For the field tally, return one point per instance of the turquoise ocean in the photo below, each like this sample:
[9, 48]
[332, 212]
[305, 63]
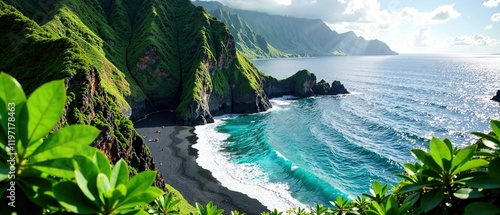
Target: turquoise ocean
[308, 151]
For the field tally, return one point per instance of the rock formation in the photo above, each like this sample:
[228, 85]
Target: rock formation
[496, 97]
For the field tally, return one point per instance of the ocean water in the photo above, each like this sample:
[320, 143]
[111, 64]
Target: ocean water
[308, 151]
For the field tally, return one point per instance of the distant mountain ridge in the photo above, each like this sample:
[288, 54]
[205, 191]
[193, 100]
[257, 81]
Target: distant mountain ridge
[290, 36]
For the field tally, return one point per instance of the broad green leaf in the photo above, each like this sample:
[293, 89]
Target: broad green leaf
[494, 168]
[495, 126]
[472, 164]
[86, 177]
[135, 212]
[38, 190]
[103, 186]
[140, 182]
[117, 195]
[140, 198]
[4, 171]
[467, 193]
[412, 198]
[45, 107]
[119, 174]
[482, 181]
[439, 151]
[60, 167]
[61, 152]
[70, 136]
[103, 164]
[11, 96]
[410, 168]
[426, 158]
[488, 140]
[407, 178]
[462, 156]
[431, 199]
[481, 208]
[71, 197]
[429, 173]
[415, 187]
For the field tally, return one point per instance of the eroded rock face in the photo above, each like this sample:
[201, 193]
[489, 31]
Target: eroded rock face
[96, 105]
[301, 84]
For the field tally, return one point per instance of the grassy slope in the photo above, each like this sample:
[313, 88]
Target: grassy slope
[251, 44]
[37, 52]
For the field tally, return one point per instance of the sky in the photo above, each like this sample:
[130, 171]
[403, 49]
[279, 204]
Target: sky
[407, 26]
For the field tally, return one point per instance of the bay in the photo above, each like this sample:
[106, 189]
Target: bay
[308, 151]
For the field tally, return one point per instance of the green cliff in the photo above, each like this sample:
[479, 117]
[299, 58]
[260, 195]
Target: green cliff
[121, 59]
[296, 36]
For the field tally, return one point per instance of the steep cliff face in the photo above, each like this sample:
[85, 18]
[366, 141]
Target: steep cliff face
[293, 36]
[124, 58]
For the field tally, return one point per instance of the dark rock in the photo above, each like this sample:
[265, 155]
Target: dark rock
[337, 88]
[496, 97]
[300, 84]
[321, 88]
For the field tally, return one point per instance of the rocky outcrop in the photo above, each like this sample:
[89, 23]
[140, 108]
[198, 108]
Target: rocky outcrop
[324, 88]
[300, 85]
[496, 97]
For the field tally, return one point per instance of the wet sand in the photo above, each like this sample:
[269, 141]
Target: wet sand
[176, 160]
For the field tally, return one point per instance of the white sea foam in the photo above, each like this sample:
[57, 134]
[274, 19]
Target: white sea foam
[245, 178]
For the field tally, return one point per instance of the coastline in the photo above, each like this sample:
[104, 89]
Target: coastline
[175, 158]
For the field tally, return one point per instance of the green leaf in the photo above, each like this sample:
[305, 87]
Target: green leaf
[494, 168]
[103, 186]
[4, 171]
[462, 156]
[10, 92]
[70, 136]
[38, 190]
[60, 167]
[45, 107]
[481, 208]
[415, 187]
[140, 198]
[431, 199]
[426, 158]
[135, 212]
[118, 194]
[86, 177]
[495, 126]
[439, 151]
[412, 198]
[103, 164]
[482, 181]
[119, 174]
[472, 164]
[69, 195]
[467, 193]
[488, 140]
[140, 182]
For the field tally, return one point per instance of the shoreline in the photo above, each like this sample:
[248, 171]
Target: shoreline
[175, 158]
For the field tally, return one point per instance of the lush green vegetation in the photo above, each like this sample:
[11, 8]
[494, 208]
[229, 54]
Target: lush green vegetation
[57, 172]
[247, 41]
[290, 35]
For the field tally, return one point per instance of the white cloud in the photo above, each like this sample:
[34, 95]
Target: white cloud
[491, 3]
[488, 27]
[439, 15]
[495, 17]
[476, 40]
[423, 38]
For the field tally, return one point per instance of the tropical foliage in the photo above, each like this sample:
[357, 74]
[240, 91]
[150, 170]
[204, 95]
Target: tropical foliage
[52, 170]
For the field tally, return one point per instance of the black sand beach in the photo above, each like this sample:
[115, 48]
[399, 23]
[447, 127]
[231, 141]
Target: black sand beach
[176, 160]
